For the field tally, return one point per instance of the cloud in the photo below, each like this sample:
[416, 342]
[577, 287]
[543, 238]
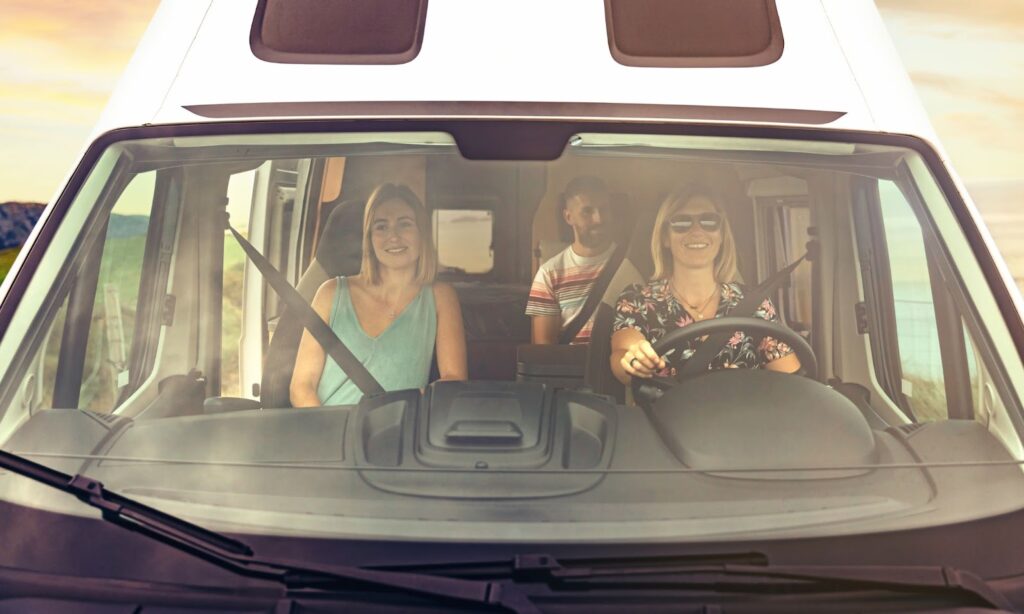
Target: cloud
[68, 53]
[977, 90]
[1005, 15]
[61, 59]
[102, 29]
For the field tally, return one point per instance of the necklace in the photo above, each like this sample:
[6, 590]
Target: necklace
[391, 309]
[697, 312]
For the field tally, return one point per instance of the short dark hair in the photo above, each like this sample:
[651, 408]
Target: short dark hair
[581, 185]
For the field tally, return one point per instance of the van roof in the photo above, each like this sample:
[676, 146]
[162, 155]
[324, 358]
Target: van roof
[838, 70]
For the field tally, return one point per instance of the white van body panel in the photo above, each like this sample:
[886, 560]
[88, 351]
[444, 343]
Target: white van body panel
[837, 58]
[482, 51]
[150, 73]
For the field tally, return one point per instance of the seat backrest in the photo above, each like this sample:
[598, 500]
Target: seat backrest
[338, 253]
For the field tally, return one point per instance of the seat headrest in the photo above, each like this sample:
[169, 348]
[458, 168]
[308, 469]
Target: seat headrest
[639, 252]
[340, 249]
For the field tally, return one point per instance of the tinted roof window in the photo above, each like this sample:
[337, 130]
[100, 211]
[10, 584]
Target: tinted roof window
[693, 32]
[338, 31]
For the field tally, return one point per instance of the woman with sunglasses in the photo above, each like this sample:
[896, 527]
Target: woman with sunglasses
[695, 278]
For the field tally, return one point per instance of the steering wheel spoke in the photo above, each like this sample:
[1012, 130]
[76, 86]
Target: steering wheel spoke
[661, 383]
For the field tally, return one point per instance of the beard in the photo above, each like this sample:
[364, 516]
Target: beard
[593, 237]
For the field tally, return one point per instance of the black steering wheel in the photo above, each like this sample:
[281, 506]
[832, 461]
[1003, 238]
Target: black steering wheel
[649, 389]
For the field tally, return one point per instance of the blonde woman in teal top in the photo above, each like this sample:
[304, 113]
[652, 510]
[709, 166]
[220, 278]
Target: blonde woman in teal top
[393, 316]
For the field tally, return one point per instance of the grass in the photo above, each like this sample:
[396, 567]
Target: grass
[7, 257]
[928, 400]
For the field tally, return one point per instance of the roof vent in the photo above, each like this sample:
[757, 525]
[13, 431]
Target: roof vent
[694, 33]
[338, 31]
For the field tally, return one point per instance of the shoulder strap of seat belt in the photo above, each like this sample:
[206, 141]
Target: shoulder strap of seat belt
[710, 347]
[597, 291]
[311, 320]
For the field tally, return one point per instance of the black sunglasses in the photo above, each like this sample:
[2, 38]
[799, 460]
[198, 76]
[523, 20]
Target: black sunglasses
[683, 222]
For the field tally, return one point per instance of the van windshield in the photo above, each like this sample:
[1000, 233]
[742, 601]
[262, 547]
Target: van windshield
[651, 337]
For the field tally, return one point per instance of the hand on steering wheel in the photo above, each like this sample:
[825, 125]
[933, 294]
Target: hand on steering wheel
[646, 387]
[641, 360]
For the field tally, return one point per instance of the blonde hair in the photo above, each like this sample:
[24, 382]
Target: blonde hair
[426, 265]
[726, 267]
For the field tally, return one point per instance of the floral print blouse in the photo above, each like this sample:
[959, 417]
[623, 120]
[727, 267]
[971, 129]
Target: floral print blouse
[653, 310]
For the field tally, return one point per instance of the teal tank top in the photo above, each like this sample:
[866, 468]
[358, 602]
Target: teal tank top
[399, 358]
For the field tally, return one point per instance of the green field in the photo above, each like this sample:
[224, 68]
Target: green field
[7, 257]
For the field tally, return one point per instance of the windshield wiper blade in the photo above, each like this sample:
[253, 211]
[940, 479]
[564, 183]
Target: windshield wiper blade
[895, 578]
[234, 555]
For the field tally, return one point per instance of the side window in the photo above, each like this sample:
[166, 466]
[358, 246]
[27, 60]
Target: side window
[788, 226]
[261, 203]
[240, 194]
[917, 327]
[463, 239]
[105, 364]
[783, 220]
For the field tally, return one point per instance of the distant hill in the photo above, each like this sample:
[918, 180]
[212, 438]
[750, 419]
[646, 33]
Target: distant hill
[16, 221]
[122, 226]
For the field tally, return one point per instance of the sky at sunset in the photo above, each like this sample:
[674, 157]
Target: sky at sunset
[62, 58]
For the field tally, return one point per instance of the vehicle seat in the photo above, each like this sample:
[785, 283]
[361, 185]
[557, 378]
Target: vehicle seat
[338, 253]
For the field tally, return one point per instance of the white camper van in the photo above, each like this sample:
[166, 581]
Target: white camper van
[297, 393]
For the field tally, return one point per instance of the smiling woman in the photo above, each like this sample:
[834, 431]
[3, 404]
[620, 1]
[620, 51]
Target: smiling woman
[393, 315]
[695, 278]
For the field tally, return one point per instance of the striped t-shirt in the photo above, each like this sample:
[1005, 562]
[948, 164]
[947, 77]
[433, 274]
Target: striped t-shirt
[562, 285]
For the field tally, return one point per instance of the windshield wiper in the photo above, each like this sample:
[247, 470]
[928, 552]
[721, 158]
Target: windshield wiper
[894, 578]
[234, 555]
[728, 572]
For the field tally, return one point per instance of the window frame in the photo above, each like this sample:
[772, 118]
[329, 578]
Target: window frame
[968, 316]
[953, 312]
[879, 303]
[80, 291]
[483, 137]
[157, 261]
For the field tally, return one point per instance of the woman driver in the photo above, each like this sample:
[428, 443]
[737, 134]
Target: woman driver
[694, 279]
[392, 316]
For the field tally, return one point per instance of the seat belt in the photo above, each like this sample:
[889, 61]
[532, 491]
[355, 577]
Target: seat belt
[310, 319]
[710, 347]
[597, 291]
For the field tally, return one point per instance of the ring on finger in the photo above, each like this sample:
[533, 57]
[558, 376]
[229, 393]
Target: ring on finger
[632, 361]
